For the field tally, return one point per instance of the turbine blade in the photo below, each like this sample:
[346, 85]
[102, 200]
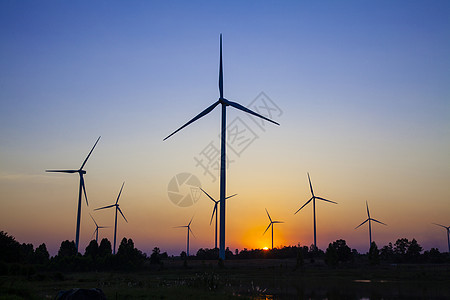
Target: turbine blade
[190, 221]
[303, 206]
[267, 228]
[83, 187]
[277, 222]
[209, 196]
[120, 192]
[362, 223]
[81, 168]
[112, 205]
[230, 196]
[62, 171]
[440, 225]
[214, 211]
[268, 215]
[245, 109]
[310, 185]
[93, 219]
[122, 213]
[221, 70]
[323, 199]
[180, 226]
[203, 113]
[367, 206]
[378, 221]
[189, 228]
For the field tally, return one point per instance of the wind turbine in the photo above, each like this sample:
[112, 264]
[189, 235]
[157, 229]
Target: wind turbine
[224, 103]
[215, 212]
[82, 188]
[96, 228]
[313, 199]
[188, 226]
[448, 234]
[117, 209]
[271, 224]
[370, 226]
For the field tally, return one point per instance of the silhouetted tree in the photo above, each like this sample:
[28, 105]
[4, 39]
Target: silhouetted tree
[9, 248]
[331, 256]
[67, 249]
[374, 254]
[154, 258]
[41, 255]
[413, 252]
[92, 250]
[387, 252]
[26, 253]
[128, 257]
[183, 255]
[105, 248]
[343, 251]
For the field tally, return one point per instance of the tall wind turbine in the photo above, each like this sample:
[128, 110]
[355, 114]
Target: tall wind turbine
[188, 226]
[448, 234]
[81, 189]
[224, 103]
[271, 224]
[313, 199]
[370, 227]
[215, 212]
[116, 205]
[96, 228]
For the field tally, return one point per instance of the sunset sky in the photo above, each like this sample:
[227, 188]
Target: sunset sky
[361, 90]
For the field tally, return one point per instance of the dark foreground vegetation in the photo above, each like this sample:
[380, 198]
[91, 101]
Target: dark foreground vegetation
[396, 271]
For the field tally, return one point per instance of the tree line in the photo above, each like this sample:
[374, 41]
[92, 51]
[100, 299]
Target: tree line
[23, 259]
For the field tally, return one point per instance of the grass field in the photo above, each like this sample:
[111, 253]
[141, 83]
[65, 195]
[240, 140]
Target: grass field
[243, 279]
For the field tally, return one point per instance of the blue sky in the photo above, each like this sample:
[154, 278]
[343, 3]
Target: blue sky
[363, 87]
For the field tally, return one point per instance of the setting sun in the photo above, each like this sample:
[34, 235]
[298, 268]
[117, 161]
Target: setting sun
[266, 248]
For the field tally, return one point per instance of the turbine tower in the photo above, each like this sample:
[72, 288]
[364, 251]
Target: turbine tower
[215, 212]
[116, 205]
[370, 226]
[96, 228]
[448, 234]
[188, 226]
[81, 190]
[224, 103]
[271, 224]
[313, 199]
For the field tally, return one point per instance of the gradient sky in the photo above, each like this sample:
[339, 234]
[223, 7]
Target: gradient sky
[362, 87]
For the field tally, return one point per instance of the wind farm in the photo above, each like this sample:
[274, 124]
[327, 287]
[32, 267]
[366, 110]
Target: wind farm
[187, 98]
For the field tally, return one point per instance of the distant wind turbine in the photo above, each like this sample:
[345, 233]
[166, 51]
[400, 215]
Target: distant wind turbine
[188, 226]
[81, 189]
[448, 234]
[96, 228]
[116, 205]
[215, 212]
[313, 199]
[370, 227]
[224, 103]
[271, 224]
